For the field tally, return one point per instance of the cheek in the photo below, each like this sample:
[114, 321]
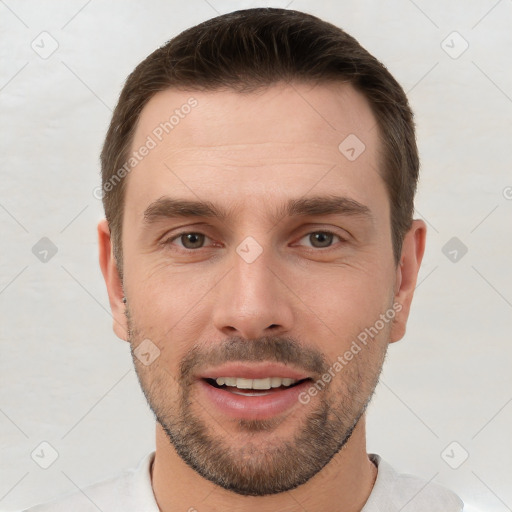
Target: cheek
[170, 306]
[338, 308]
[159, 290]
[345, 292]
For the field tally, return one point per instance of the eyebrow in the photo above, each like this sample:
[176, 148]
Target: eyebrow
[169, 208]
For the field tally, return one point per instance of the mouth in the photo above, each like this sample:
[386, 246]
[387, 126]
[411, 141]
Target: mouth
[253, 392]
[254, 387]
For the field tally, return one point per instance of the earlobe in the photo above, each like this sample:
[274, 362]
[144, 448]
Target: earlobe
[413, 248]
[113, 283]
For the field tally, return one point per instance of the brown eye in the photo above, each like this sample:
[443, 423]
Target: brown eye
[321, 239]
[192, 240]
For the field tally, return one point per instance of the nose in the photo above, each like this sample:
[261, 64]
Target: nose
[253, 299]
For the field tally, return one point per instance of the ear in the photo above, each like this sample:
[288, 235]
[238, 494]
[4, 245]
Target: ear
[413, 248]
[114, 285]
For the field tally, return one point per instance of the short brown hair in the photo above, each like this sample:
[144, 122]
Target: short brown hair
[252, 49]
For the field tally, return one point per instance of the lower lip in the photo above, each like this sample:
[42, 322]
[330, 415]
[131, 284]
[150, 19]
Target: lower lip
[253, 407]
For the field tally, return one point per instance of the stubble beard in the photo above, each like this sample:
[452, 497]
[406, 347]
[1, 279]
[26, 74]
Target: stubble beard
[249, 457]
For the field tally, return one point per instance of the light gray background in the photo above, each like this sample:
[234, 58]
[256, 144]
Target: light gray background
[67, 380]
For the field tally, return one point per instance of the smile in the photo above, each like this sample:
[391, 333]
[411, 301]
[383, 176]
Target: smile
[244, 398]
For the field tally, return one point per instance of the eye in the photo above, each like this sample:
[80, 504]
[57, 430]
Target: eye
[321, 239]
[188, 240]
[191, 240]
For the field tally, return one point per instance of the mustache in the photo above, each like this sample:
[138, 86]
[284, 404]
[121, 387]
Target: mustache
[280, 349]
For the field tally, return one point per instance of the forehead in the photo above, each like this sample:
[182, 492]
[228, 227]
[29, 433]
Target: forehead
[256, 147]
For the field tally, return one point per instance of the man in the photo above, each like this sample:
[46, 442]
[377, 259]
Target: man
[260, 255]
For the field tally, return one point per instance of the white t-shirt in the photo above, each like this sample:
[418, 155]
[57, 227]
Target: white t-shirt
[131, 491]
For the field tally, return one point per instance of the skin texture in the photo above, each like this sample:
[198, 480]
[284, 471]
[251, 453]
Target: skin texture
[302, 301]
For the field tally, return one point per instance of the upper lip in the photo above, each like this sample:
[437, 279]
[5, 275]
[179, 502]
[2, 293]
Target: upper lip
[253, 371]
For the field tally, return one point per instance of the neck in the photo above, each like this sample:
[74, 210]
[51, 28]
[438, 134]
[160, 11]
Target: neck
[344, 484]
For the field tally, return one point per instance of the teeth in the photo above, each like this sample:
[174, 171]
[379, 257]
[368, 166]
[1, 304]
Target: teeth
[261, 383]
[267, 383]
[276, 382]
[243, 383]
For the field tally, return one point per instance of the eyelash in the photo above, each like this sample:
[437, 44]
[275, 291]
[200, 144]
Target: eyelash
[169, 241]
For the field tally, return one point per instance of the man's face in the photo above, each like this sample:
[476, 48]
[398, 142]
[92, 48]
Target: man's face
[261, 291]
